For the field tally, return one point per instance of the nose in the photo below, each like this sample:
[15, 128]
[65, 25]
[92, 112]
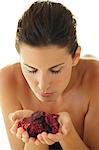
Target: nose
[44, 82]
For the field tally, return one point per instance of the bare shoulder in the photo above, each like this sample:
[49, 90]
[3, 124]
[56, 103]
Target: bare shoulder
[10, 81]
[9, 101]
[10, 72]
[12, 76]
[91, 123]
[7, 78]
[91, 67]
[92, 78]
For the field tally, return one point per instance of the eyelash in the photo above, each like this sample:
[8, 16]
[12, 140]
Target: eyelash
[54, 72]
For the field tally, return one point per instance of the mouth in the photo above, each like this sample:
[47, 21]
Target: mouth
[45, 94]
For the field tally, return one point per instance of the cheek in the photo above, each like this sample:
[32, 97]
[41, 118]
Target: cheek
[28, 77]
[64, 77]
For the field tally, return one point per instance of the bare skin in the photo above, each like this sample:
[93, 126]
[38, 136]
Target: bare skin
[79, 99]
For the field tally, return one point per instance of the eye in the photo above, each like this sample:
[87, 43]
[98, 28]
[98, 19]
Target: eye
[32, 71]
[52, 71]
[55, 72]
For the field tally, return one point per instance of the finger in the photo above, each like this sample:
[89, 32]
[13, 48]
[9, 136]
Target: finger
[46, 139]
[20, 114]
[25, 136]
[10, 116]
[38, 142]
[64, 118]
[31, 139]
[19, 132]
[35, 140]
[40, 139]
[13, 129]
[64, 130]
[55, 137]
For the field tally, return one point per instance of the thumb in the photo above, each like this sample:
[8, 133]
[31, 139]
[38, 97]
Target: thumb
[64, 130]
[10, 115]
[20, 114]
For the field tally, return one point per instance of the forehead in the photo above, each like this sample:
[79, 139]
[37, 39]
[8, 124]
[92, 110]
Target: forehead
[46, 55]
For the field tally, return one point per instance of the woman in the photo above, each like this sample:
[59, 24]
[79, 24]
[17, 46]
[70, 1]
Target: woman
[51, 77]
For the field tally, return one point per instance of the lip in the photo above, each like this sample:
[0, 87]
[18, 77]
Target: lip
[45, 94]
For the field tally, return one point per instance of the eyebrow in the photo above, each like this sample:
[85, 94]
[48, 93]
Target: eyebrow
[49, 68]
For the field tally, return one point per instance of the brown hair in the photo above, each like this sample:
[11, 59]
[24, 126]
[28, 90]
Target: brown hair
[47, 23]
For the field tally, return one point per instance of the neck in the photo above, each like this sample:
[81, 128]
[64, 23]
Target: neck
[52, 107]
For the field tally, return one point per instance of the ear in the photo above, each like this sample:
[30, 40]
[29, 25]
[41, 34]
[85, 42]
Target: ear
[77, 56]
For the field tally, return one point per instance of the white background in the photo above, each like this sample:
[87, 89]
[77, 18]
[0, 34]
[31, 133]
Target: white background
[86, 13]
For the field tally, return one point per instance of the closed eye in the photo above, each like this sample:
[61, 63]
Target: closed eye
[52, 71]
[32, 71]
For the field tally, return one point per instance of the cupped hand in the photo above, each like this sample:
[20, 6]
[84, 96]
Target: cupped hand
[42, 138]
[15, 117]
[64, 129]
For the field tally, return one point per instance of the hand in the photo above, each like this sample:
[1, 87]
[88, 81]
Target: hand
[64, 129]
[20, 132]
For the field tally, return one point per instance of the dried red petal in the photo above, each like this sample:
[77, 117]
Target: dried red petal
[39, 122]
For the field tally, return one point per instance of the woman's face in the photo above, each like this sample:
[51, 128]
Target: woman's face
[46, 69]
